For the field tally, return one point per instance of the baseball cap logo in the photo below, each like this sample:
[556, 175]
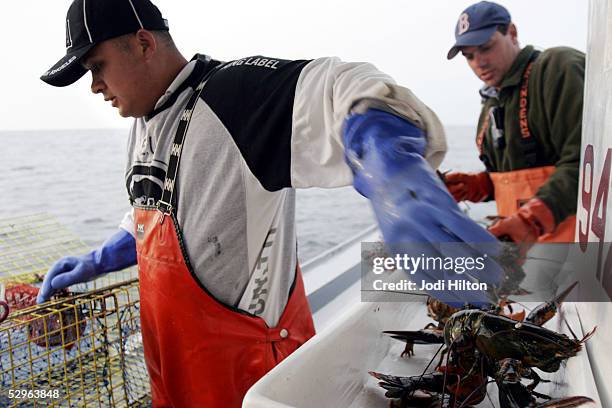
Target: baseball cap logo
[463, 24]
[68, 35]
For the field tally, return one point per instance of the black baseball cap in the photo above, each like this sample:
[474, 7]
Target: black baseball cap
[89, 22]
[477, 24]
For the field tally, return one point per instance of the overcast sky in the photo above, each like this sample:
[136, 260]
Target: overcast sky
[406, 38]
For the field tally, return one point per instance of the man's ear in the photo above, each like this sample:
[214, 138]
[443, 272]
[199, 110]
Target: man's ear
[147, 43]
[513, 32]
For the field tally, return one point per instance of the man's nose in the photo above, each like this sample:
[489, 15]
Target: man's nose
[97, 85]
[481, 62]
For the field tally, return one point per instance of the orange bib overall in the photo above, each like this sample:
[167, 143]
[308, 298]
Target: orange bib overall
[198, 351]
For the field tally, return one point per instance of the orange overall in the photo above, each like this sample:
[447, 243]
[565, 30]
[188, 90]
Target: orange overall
[198, 351]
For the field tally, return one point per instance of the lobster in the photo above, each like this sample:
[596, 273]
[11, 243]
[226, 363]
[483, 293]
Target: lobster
[441, 312]
[481, 344]
[15, 297]
[58, 324]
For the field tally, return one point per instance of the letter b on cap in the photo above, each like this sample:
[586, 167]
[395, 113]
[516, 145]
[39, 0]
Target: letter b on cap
[463, 24]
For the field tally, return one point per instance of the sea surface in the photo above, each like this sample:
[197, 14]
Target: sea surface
[78, 177]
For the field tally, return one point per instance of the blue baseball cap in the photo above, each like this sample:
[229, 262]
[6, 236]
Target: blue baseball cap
[477, 24]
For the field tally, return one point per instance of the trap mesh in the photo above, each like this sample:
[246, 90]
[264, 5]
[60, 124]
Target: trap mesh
[84, 349]
[29, 246]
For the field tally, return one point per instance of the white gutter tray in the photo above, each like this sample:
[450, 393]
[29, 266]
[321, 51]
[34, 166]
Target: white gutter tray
[331, 370]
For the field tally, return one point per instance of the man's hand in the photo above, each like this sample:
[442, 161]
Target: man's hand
[532, 220]
[66, 272]
[414, 210]
[474, 187]
[116, 253]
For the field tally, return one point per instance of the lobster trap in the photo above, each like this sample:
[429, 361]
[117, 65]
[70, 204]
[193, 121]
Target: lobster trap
[82, 348]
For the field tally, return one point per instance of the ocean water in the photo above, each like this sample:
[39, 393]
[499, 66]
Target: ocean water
[78, 177]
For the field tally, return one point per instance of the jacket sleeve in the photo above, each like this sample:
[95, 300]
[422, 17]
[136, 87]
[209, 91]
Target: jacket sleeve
[127, 223]
[562, 88]
[326, 92]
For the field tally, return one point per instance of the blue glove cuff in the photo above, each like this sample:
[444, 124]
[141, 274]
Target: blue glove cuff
[383, 135]
[412, 205]
[116, 253]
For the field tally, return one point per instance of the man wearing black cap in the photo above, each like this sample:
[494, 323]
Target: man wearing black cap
[529, 128]
[214, 155]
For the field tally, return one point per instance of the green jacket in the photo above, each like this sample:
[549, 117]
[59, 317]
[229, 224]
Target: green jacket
[554, 115]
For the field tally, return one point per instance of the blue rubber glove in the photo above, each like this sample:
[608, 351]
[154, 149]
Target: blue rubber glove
[116, 253]
[414, 210]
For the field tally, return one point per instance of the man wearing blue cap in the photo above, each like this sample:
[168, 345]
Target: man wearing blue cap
[529, 128]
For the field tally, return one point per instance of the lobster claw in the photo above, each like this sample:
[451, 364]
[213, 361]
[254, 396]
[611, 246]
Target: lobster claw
[547, 311]
[424, 336]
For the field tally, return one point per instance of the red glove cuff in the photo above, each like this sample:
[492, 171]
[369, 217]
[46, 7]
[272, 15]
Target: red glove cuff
[474, 187]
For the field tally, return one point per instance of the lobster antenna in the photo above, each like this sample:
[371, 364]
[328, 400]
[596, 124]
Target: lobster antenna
[569, 328]
[428, 364]
[431, 361]
[480, 386]
[450, 347]
[463, 404]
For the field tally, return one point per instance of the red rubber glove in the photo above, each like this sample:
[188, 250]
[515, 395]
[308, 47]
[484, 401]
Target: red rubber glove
[532, 220]
[474, 187]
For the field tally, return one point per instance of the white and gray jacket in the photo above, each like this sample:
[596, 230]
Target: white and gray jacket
[262, 127]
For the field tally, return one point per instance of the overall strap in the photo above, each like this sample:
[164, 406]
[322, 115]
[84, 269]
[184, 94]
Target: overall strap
[528, 143]
[167, 203]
